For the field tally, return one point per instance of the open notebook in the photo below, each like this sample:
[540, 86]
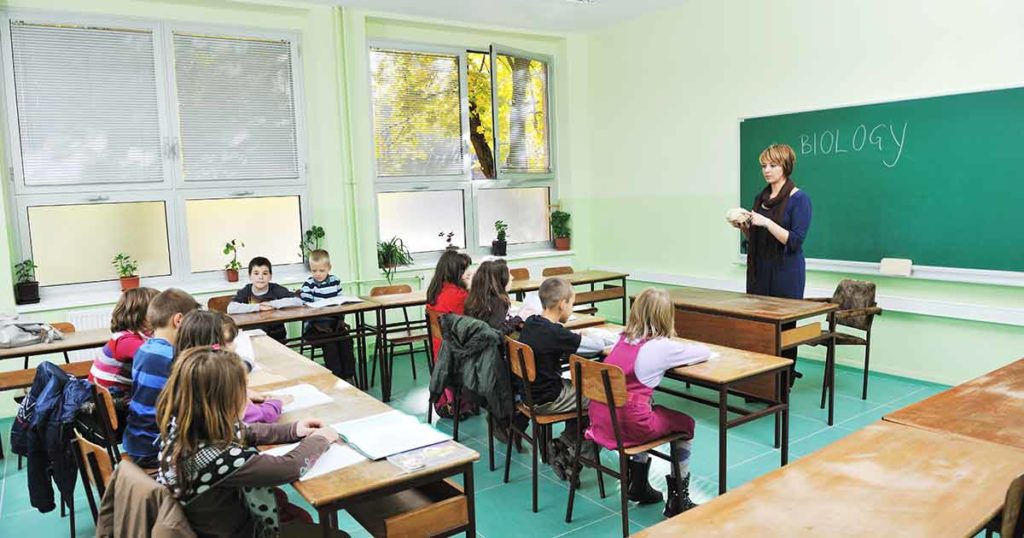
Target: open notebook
[383, 435]
[336, 457]
[334, 301]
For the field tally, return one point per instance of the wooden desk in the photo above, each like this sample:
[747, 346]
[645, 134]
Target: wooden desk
[75, 341]
[988, 408]
[884, 480]
[367, 480]
[357, 334]
[752, 322]
[720, 374]
[609, 293]
[576, 321]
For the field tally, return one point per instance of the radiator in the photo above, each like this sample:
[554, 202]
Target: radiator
[97, 318]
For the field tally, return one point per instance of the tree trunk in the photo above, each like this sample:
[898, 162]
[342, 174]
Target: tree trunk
[520, 112]
[484, 155]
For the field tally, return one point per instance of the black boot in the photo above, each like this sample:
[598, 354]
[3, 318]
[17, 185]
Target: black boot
[640, 489]
[678, 499]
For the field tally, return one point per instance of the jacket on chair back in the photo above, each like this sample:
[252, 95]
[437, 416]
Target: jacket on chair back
[471, 357]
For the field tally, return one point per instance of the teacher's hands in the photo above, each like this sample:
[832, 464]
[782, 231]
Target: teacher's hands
[757, 219]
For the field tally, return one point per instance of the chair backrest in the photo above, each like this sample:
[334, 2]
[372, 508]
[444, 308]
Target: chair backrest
[64, 327]
[555, 271]
[219, 303]
[105, 403]
[589, 378]
[519, 273]
[434, 323]
[390, 290]
[521, 358]
[1013, 522]
[94, 463]
[852, 294]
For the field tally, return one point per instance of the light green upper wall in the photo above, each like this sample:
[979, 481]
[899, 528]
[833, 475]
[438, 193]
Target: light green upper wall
[667, 91]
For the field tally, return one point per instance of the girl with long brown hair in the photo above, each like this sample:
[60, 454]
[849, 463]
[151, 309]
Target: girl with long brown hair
[488, 295]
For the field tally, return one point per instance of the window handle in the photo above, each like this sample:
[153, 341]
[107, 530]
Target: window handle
[242, 193]
[97, 199]
[420, 188]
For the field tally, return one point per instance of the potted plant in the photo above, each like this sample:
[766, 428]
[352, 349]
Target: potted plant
[499, 246]
[26, 290]
[560, 229]
[232, 267]
[128, 269]
[448, 240]
[390, 255]
[310, 242]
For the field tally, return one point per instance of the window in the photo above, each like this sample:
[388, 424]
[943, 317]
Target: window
[437, 169]
[134, 137]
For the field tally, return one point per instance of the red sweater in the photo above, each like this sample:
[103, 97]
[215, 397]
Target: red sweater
[451, 300]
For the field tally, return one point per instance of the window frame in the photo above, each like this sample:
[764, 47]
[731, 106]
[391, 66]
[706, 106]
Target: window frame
[551, 174]
[173, 190]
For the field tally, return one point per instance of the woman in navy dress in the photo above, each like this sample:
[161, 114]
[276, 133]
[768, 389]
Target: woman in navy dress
[779, 221]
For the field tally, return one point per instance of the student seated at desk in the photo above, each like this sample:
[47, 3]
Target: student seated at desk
[112, 369]
[488, 298]
[208, 457]
[321, 284]
[645, 352]
[205, 328]
[150, 369]
[262, 294]
[447, 294]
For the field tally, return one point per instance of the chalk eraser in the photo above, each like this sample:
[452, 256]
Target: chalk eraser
[896, 267]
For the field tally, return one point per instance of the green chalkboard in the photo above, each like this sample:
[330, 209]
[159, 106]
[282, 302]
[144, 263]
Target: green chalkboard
[938, 180]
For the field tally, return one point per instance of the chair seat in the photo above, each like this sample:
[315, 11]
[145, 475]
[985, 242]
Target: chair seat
[546, 419]
[407, 337]
[640, 449]
[842, 339]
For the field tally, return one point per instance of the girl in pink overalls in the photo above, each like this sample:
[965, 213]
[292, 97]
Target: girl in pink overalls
[644, 352]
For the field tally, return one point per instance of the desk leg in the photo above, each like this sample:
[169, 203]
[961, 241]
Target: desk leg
[723, 420]
[784, 395]
[325, 522]
[623, 301]
[361, 342]
[470, 491]
[831, 370]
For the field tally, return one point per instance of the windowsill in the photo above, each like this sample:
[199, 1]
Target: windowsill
[107, 293]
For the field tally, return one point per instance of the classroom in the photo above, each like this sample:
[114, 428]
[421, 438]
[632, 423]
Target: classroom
[553, 268]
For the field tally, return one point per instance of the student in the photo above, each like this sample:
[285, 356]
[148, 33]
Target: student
[321, 284]
[488, 298]
[552, 344]
[644, 352]
[150, 368]
[112, 369]
[207, 455]
[262, 294]
[447, 294]
[204, 328]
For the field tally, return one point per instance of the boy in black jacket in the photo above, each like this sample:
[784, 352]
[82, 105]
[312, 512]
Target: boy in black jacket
[262, 294]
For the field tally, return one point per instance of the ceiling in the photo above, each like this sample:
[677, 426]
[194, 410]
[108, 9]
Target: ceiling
[535, 15]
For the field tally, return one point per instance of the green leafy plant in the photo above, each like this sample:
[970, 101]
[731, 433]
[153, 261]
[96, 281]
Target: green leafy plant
[231, 247]
[447, 238]
[502, 229]
[25, 271]
[311, 240]
[126, 265]
[560, 224]
[392, 254]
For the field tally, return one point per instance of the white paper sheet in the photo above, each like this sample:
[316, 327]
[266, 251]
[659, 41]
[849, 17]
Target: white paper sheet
[385, 434]
[334, 301]
[243, 348]
[305, 396]
[336, 457]
[253, 333]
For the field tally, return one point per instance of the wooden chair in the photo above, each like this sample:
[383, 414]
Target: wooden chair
[555, 271]
[433, 331]
[606, 383]
[857, 309]
[96, 467]
[107, 416]
[22, 379]
[520, 273]
[406, 333]
[1010, 523]
[219, 303]
[525, 368]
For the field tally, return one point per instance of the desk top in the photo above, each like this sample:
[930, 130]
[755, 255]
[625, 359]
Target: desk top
[413, 298]
[576, 321]
[732, 303]
[298, 313]
[729, 366]
[86, 339]
[580, 277]
[885, 479]
[349, 403]
[987, 408]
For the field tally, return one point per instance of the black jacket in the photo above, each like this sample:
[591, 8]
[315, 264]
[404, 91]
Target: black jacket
[471, 357]
[43, 429]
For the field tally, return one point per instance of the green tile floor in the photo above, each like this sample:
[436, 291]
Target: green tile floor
[503, 510]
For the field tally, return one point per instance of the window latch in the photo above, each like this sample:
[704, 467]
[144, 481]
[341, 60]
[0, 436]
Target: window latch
[242, 193]
[97, 198]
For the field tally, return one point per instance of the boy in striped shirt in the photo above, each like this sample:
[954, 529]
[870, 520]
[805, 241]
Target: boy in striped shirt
[322, 284]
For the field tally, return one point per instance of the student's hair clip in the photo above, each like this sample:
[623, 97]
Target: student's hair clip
[215, 347]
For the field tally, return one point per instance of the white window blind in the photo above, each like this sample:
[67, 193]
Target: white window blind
[417, 118]
[236, 108]
[87, 101]
[525, 211]
[522, 111]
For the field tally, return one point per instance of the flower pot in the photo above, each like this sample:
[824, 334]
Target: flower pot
[232, 275]
[499, 248]
[562, 243]
[129, 282]
[26, 292]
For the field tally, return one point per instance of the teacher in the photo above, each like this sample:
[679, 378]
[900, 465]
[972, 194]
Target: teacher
[779, 221]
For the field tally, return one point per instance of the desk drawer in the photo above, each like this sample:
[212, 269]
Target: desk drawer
[428, 510]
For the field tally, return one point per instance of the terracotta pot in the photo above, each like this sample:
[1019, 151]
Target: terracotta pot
[499, 248]
[129, 282]
[232, 275]
[26, 292]
[562, 243]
